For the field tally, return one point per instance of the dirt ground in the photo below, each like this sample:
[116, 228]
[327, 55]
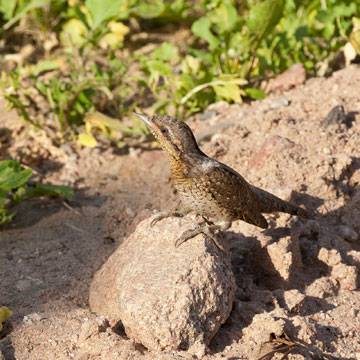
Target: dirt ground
[51, 251]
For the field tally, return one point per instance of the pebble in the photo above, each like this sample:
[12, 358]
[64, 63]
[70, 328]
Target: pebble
[348, 234]
[207, 115]
[279, 103]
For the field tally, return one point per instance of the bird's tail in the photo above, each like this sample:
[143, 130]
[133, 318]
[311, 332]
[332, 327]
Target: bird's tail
[270, 203]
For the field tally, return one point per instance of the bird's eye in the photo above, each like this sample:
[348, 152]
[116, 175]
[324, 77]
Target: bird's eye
[164, 130]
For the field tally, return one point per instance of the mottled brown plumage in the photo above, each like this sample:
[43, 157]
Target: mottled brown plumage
[207, 187]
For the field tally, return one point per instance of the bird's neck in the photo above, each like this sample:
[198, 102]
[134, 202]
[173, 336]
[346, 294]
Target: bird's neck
[183, 166]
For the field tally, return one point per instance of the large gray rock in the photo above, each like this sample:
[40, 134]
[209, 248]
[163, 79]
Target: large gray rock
[166, 297]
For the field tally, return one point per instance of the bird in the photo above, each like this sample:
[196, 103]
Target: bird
[209, 188]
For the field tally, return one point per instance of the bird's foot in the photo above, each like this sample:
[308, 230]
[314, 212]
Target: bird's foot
[206, 229]
[163, 215]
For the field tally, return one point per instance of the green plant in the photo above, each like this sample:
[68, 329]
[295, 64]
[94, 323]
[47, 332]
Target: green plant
[219, 73]
[310, 32]
[68, 94]
[113, 129]
[5, 313]
[14, 188]
[235, 45]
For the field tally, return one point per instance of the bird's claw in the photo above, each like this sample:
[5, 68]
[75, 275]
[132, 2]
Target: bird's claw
[163, 215]
[204, 229]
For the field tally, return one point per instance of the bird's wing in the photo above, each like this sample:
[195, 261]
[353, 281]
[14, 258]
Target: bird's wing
[232, 192]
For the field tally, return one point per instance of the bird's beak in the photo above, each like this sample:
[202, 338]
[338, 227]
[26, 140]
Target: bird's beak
[145, 119]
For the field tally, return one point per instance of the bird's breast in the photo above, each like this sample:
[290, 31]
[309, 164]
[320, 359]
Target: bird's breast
[198, 195]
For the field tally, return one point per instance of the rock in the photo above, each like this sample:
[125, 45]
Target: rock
[279, 258]
[141, 215]
[293, 299]
[32, 318]
[346, 275]
[353, 257]
[212, 131]
[90, 328]
[336, 116]
[273, 144]
[286, 257]
[348, 234]
[220, 107]
[295, 75]
[322, 287]
[306, 331]
[166, 297]
[280, 102]
[351, 212]
[207, 114]
[261, 331]
[329, 257]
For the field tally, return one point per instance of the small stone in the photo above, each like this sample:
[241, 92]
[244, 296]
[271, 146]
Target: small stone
[322, 287]
[279, 103]
[294, 299]
[346, 275]
[335, 116]
[294, 76]
[307, 331]
[220, 107]
[279, 259]
[329, 257]
[261, 331]
[348, 234]
[207, 115]
[32, 318]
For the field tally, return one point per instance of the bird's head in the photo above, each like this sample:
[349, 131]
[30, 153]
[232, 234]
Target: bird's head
[174, 136]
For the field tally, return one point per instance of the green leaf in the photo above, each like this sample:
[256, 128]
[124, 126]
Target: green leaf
[87, 140]
[4, 314]
[10, 163]
[206, 57]
[149, 9]
[16, 103]
[201, 28]
[229, 91]
[355, 35]
[22, 193]
[54, 190]
[7, 8]
[2, 199]
[225, 80]
[73, 33]
[344, 10]
[165, 52]
[225, 17]
[325, 16]
[263, 16]
[81, 16]
[255, 93]
[102, 10]
[11, 176]
[158, 68]
[32, 4]
[44, 66]
[41, 87]
[103, 122]
[6, 218]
